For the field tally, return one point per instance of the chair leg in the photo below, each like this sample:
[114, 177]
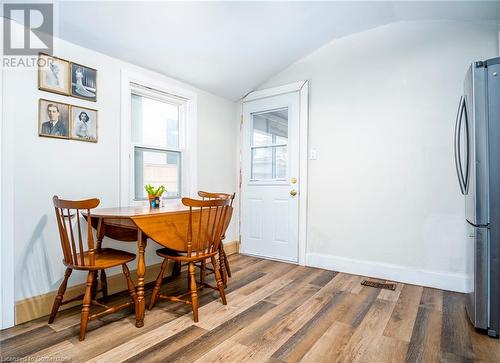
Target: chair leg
[203, 271]
[158, 282]
[222, 266]
[226, 262]
[194, 291]
[130, 284]
[104, 285]
[94, 285]
[60, 295]
[220, 285]
[86, 305]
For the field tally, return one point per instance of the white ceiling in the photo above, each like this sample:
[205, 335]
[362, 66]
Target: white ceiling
[229, 48]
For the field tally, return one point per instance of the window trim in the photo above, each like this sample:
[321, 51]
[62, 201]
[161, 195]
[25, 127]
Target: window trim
[144, 85]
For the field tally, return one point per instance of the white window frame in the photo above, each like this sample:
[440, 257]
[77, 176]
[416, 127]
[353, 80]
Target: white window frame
[179, 102]
[164, 91]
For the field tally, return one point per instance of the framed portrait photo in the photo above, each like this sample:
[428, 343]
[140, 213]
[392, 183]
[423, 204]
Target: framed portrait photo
[53, 74]
[83, 124]
[83, 82]
[53, 119]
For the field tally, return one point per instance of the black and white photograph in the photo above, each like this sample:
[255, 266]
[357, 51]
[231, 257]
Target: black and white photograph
[83, 124]
[53, 74]
[53, 119]
[83, 82]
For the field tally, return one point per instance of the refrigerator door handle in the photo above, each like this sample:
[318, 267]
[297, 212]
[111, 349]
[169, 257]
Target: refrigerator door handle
[458, 164]
[467, 141]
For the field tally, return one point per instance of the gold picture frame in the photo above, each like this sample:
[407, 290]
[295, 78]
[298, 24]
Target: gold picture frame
[83, 83]
[61, 129]
[83, 129]
[54, 74]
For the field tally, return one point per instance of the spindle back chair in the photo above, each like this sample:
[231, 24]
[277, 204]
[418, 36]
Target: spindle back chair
[201, 230]
[80, 253]
[225, 270]
[74, 250]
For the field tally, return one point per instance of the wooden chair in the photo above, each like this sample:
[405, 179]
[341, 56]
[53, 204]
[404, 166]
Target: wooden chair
[91, 260]
[195, 237]
[224, 268]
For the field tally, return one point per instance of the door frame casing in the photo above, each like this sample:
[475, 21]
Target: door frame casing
[303, 88]
[7, 282]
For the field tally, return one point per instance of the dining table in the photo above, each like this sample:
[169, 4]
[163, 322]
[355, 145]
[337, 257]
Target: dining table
[118, 224]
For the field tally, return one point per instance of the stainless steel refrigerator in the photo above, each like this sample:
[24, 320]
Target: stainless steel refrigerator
[477, 160]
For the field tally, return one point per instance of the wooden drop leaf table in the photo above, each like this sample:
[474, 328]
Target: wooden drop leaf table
[118, 224]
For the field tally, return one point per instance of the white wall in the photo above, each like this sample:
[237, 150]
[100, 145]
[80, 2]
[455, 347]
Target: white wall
[71, 169]
[383, 195]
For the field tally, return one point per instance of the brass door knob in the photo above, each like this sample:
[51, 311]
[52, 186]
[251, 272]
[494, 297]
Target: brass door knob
[293, 192]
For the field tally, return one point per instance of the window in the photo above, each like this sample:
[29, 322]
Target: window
[269, 149]
[157, 148]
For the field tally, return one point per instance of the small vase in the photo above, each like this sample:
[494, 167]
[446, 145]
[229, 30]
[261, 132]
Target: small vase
[153, 201]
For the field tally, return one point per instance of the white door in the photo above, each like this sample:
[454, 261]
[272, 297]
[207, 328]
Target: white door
[270, 167]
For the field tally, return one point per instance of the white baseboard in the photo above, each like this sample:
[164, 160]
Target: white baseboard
[436, 279]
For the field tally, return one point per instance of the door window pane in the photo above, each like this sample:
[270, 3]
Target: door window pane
[270, 128]
[156, 167]
[269, 163]
[281, 157]
[269, 145]
[154, 122]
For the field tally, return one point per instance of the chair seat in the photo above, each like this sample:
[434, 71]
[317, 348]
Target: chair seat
[182, 256]
[104, 258]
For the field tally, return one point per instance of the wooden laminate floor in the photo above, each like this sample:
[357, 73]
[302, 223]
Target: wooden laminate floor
[276, 312]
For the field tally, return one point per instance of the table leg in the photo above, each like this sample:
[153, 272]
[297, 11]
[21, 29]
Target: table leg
[99, 233]
[140, 307]
[176, 270]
